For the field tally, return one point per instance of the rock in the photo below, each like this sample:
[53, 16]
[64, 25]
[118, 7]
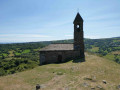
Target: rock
[67, 88]
[59, 73]
[118, 86]
[85, 84]
[94, 77]
[100, 87]
[42, 86]
[37, 87]
[104, 81]
[73, 67]
[92, 88]
[59, 89]
[87, 78]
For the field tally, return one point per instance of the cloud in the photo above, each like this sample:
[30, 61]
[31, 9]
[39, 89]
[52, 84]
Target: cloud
[56, 23]
[86, 36]
[93, 37]
[68, 35]
[97, 36]
[24, 35]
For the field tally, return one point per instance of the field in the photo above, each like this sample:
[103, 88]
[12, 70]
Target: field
[67, 76]
[94, 49]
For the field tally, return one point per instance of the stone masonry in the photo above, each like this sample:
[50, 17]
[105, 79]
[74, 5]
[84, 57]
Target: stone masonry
[57, 53]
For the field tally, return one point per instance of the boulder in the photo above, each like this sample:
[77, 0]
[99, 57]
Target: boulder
[85, 84]
[104, 81]
[118, 86]
[37, 87]
[92, 88]
[100, 87]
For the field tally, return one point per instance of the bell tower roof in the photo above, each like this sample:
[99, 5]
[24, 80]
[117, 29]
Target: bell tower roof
[78, 18]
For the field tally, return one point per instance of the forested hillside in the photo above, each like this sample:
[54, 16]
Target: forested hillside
[108, 48]
[19, 57]
[22, 56]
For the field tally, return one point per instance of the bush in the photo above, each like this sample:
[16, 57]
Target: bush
[116, 58]
[21, 67]
[2, 72]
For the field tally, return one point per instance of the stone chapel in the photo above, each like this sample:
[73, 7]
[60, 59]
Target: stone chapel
[57, 53]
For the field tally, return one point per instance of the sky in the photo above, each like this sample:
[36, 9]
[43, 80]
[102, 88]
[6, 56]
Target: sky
[45, 20]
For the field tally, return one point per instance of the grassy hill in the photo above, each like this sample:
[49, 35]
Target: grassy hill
[18, 57]
[67, 76]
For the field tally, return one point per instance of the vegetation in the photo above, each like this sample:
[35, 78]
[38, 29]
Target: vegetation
[19, 57]
[69, 75]
[22, 56]
[108, 48]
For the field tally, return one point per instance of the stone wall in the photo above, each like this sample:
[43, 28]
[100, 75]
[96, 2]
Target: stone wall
[57, 56]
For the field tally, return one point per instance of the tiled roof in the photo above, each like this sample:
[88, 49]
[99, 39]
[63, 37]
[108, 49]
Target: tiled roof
[57, 47]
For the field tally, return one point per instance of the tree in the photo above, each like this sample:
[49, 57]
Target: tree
[2, 72]
[116, 58]
[3, 57]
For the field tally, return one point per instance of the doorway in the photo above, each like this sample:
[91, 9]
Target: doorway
[59, 58]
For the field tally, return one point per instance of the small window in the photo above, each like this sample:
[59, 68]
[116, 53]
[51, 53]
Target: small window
[78, 26]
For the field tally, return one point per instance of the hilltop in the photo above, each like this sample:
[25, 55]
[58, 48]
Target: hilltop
[67, 76]
[18, 57]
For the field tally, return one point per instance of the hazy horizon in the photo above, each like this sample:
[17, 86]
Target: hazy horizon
[52, 40]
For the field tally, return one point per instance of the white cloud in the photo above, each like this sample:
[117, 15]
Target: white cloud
[93, 37]
[88, 36]
[97, 36]
[68, 35]
[24, 35]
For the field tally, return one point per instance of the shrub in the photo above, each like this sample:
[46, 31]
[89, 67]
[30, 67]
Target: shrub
[2, 72]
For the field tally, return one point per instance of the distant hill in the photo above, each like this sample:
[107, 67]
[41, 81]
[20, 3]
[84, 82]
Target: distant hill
[96, 73]
[18, 57]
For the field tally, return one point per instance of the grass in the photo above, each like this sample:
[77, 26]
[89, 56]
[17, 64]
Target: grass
[116, 40]
[11, 54]
[16, 53]
[73, 76]
[22, 52]
[26, 51]
[94, 49]
[5, 55]
[116, 52]
[118, 48]
[111, 55]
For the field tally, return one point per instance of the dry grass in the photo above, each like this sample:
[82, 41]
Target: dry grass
[11, 54]
[92, 72]
[116, 52]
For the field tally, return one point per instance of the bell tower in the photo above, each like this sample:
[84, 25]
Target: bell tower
[78, 35]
